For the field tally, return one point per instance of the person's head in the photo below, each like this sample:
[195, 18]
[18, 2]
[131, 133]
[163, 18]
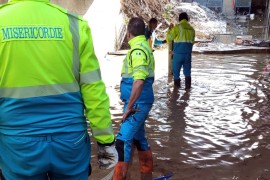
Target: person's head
[136, 27]
[182, 16]
[153, 23]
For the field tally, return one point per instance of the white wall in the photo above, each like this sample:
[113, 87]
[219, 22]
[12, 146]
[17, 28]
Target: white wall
[105, 20]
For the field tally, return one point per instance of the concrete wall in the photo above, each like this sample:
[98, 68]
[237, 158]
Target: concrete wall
[77, 6]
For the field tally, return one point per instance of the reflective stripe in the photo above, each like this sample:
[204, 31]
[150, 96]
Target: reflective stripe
[74, 29]
[99, 132]
[170, 37]
[126, 75]
[37, 91]
[183, 41]
[151, 74]
[181, 33]
[126, 65]
[138, 68]
[90, 77]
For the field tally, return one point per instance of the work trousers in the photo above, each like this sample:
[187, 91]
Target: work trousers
[58, 156]
[179, 61]
[132, 131]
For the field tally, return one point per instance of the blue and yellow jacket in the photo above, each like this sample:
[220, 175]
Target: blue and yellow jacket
[50, 79]
[183, 36]
[138, 64]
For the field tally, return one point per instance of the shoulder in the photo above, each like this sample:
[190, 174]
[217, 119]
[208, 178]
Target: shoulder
[5, 6]
[138, 52]
[65, 11]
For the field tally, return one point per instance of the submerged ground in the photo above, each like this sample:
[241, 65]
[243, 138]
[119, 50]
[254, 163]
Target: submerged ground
[217, 130]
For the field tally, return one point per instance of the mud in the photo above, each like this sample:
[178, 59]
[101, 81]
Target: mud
[218, 130]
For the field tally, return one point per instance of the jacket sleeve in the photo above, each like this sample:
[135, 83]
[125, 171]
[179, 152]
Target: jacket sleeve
[171, 34]
[93, 89]
[139, 62]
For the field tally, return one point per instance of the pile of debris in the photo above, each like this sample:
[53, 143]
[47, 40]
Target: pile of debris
[146, 9]
[248, 40]
[205, 21]
[256, 42]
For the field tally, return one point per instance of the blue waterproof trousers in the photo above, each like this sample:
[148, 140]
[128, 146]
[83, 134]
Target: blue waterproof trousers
[180, 60]
[59, 156]
[132, 131]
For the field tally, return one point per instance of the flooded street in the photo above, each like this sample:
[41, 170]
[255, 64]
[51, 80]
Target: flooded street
[219, 129]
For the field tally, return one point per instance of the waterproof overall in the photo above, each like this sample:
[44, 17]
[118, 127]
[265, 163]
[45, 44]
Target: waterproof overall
[183, 36]
[139, 64]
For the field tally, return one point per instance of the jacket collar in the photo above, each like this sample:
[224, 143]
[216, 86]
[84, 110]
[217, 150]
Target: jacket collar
[183, 21]
[136, 40]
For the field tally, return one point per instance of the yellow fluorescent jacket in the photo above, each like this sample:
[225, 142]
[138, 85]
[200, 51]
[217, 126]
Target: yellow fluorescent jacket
[49, 75]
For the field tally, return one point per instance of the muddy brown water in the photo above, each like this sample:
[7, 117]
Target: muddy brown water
[220, 129]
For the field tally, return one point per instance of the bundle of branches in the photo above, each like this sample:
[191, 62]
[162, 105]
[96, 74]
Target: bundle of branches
[146, 9]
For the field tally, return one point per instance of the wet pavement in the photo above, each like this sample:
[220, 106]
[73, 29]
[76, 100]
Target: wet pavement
[220, 129]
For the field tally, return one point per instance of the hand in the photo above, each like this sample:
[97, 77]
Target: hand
[128, 112]
[107, 156]
[171, 26]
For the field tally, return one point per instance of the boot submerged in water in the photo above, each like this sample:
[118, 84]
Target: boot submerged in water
[146, 164]
[120, 171]
[177, 83]
[187, 82]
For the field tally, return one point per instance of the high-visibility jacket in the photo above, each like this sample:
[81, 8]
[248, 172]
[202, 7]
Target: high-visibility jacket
[139, 64]
[50, 79]
[183, 35]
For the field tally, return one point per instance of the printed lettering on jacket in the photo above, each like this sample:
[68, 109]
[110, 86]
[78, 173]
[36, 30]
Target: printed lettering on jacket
[11, 33]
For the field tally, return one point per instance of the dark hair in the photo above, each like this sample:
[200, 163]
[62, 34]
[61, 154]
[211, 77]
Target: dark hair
[182, 16]
[153, 21]
[136, 26]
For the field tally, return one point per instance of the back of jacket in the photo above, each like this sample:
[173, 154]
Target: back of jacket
[49, 73]
[183, 35]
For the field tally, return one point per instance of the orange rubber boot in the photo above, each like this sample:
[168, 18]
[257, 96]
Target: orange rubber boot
[146, 164]
[120, 171]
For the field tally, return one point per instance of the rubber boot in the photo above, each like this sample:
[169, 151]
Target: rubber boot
[146, 164]
[1, 175]
[188, 82]
[120, 171]
[177, 83]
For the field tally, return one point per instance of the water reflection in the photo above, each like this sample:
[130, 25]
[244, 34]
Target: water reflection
[217, 123]
[219, 129]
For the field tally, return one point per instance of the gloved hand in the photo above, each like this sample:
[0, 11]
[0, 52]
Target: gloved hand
[107, 156]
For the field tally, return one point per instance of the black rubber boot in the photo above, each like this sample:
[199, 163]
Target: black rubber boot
[177, 83]
[1, 175]
[187, 82]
